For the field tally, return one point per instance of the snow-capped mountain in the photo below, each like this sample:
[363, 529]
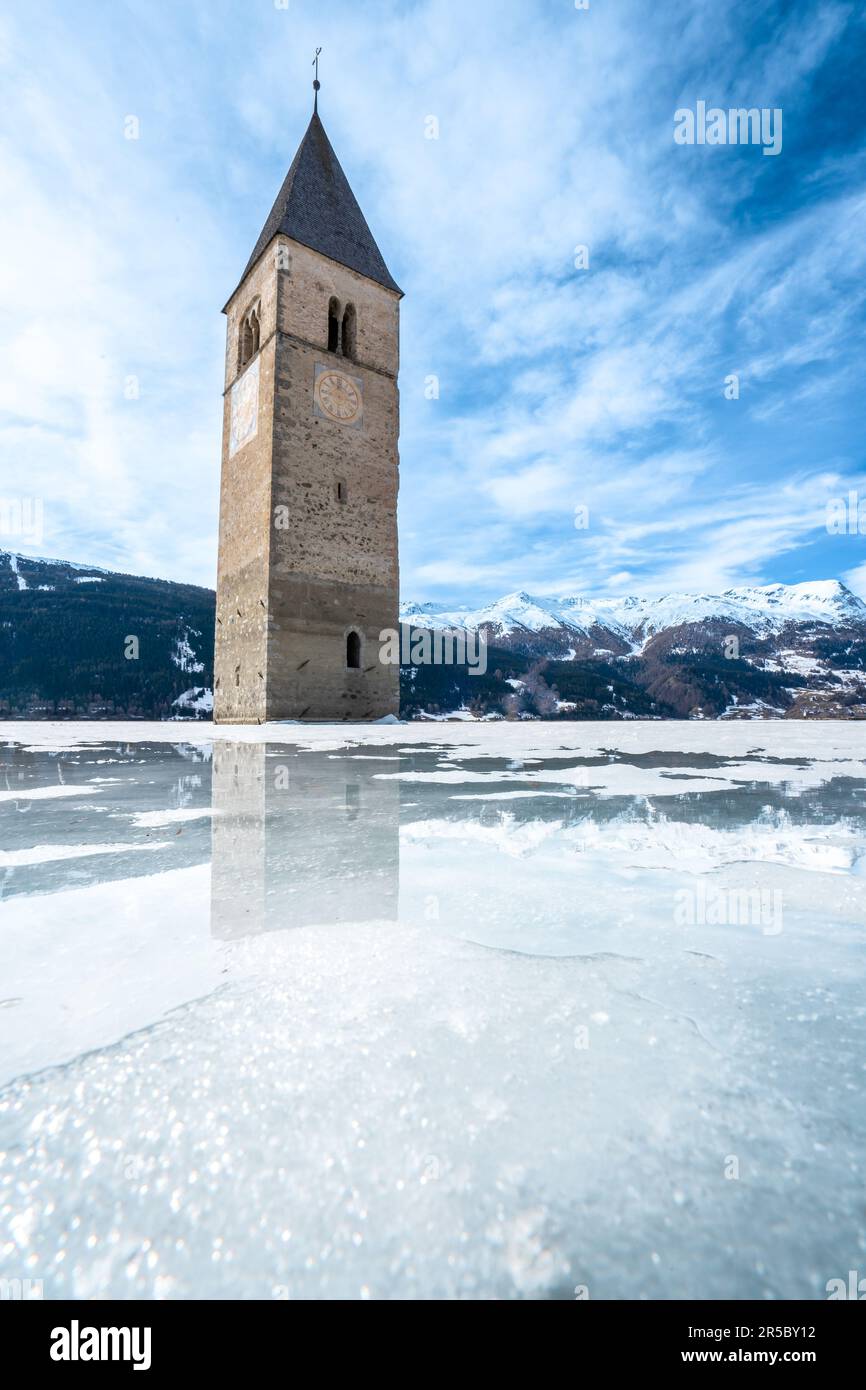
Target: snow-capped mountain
[762, 610]
[770, 651]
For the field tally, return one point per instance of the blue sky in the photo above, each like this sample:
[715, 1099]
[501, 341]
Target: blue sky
[560, 387]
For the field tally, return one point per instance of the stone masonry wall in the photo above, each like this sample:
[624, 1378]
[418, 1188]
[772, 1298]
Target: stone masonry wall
[329, 565]
[240, 656]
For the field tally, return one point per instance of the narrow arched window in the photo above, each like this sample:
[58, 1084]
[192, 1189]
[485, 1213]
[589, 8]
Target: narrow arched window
[349, 332]
[333, 326]
[249, 335]
[353, 651]
[245, 351]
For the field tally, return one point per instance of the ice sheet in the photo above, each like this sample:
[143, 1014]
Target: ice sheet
[348, 1034]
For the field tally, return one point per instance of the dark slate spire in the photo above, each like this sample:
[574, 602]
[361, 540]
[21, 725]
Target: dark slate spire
[316, 207]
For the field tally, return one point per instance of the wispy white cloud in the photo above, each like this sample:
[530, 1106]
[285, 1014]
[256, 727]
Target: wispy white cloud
[560, 387]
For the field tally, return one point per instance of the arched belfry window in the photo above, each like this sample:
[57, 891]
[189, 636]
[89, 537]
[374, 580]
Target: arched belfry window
[353, 651]
[349, 331]
[333, 326]
[249, 335]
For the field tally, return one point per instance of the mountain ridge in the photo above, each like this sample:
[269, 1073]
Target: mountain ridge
[760, 607]
[760, 651]
[753, 651]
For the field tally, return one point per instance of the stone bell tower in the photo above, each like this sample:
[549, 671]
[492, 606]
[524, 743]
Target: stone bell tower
[308, 569]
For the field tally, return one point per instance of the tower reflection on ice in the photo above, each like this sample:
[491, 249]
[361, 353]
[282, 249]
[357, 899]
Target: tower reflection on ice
[296, 844]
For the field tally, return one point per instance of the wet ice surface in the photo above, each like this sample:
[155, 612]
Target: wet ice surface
[475, 1011]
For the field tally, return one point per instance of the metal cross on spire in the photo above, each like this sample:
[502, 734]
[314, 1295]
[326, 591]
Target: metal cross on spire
[316, 84]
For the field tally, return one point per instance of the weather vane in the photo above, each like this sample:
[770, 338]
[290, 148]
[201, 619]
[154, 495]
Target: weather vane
[316, 84]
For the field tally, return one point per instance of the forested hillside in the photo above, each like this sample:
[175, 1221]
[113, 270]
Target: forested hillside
[79, 642]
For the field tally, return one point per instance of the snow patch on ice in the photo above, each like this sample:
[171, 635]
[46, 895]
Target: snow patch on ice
[148, 820]
[26, 793]
[49, 854]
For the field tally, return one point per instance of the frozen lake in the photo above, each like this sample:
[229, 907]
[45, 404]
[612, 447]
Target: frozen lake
[433, 1010]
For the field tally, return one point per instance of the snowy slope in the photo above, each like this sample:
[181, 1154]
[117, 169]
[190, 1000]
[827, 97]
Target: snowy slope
[13, 560]
[516, 612]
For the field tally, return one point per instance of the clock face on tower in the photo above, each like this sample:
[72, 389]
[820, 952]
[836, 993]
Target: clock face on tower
[338, 396]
